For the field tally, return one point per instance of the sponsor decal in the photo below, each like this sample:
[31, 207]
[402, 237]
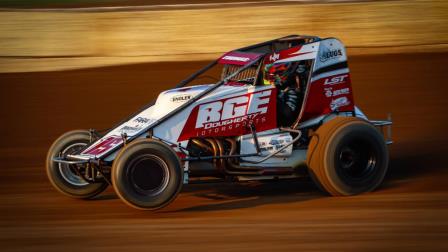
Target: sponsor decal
[339, 102]
[133, 127]
[236, 58]
[335, 80]
[329, 92]
[275, 142]
[129, 130]
[104, 145]
[287, 55]
[230, 121]
[231, 116]
[228, 111]
[341, 91]
[141, 120]
[181, 98]
[274, 57]
[231, 125]
[330, 54]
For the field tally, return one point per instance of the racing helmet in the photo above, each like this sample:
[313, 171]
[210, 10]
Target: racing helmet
[277, 74]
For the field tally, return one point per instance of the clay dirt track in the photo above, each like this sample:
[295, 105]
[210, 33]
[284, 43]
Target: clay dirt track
[408, 213]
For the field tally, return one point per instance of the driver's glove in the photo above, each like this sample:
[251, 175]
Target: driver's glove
[288, 97]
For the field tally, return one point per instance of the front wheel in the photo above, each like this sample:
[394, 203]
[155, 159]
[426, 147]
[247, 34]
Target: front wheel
[347, 156]
[66, 177]
[147, 174]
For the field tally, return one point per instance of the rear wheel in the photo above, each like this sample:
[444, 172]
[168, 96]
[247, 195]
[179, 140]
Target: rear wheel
[347, 156]
[147, 174]
[66, 177]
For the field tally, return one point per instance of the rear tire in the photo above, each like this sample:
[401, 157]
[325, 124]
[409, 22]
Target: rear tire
[347, 156]
[63, 176]
[147, 174]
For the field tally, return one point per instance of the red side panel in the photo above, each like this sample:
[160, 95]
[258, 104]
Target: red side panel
[231, 116]
[332, 93]
[284, 54]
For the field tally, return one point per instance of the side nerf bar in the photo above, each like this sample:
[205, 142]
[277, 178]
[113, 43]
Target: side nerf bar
[73, 159]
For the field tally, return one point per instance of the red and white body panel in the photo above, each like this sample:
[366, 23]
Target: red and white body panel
[166, 102]
[224, 112]
[329, 87]
[297, 53]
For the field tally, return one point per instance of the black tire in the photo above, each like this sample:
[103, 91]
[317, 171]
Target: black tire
[62, 176]
[147, 174]
[347, 156]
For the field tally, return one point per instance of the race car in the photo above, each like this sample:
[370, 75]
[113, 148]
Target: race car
[280, 109]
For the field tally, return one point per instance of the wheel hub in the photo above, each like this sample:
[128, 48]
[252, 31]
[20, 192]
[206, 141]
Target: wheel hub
[357, 160]
[70, 172]
[149, 175]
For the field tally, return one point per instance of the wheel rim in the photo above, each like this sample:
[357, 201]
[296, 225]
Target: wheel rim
[67, 171]
[148, 175]
[357, 160]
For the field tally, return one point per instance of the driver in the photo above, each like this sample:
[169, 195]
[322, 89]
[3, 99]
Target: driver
[287, 78]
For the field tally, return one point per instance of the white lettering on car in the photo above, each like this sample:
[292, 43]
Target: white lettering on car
[234, 107]
[233, 110]
[235, 58]
[210, 112]
[274, 57]
[335, 80]
[257, 100]
[329, 92]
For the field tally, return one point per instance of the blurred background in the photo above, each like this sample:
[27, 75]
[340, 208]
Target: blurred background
[57, 35]
[69, 64]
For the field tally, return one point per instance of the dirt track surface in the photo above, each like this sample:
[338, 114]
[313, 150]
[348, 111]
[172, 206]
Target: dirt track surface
[408, 213]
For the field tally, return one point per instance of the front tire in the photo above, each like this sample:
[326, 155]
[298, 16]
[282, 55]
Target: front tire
[64, 176]
[347, 156]
[147, 174]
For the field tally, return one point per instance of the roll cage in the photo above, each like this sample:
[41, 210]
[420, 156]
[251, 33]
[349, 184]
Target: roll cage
[254, 74]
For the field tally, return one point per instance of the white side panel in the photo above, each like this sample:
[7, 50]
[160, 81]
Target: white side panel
[268, 145]
[296, 159]
[331, 51]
